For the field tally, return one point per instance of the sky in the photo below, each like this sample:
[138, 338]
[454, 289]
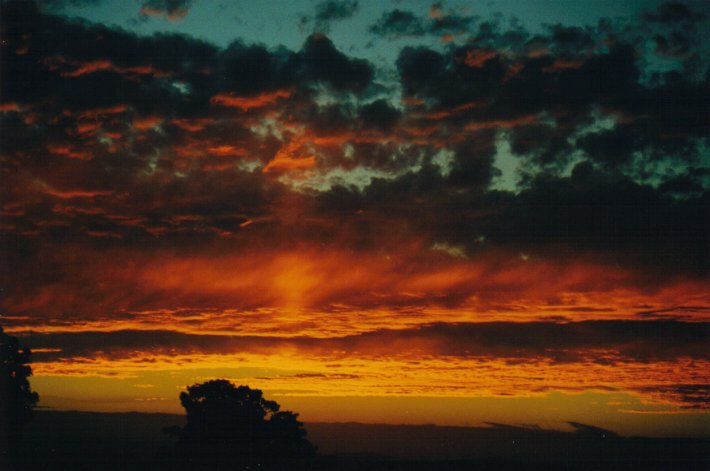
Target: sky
[384, 212]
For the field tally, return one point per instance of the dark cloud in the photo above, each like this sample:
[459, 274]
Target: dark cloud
[397, 23]
[448, 22]
[691, 396]
[402, 23]
[609, 215]
[329, 11]
[547, 106]
[248, 70]
[598, 213]
[571, 39]
[667, 120]
[379, 114]
[612, 147]
[676, 45]
[603, 342]
[673, 12]
[320, 61]
[251, 69]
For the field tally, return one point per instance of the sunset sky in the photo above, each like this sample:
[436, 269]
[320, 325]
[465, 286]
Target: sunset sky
[376, 211]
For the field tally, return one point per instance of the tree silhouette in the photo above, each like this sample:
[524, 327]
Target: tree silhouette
[230, 427]
[16, 397]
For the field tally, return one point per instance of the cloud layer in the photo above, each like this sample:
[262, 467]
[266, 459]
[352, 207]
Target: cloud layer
[503, 196]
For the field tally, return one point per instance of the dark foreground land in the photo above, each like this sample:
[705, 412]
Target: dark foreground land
[132, 441]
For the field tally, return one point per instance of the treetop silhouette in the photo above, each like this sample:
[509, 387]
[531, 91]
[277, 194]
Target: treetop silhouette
[236, 428]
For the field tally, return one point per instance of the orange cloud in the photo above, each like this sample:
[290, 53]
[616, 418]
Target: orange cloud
[382, 324]
[213, 153]
[562, 64]
[87, 127]
[227, 150]
[146, 122]
[502, 123]
[447, 113]
[192, 125]
[97, 113]
[478, 57]
[283, 162]
[412, 101]
[68, 151]
[7, 107]
[292, 156]
[175, 14]
[538, 52]
[382, 370]
[73, 68]
[514, 69]
[436, 12]
[65, 209]
[316, 292]
[70, 194]
[246, 103]
[89, 67]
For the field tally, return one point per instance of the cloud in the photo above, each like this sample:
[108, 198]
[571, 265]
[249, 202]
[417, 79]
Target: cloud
[330, 11]
[247, 103]
[193, 120]
[467, 359]
[379, 114]
[677, 45]
[397, 23]
[602, 342]
[403, 23]
[155, 182]
[672, 12]
[172, 10]
[320, 61]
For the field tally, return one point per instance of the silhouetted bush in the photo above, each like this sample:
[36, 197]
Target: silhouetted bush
[230, 427]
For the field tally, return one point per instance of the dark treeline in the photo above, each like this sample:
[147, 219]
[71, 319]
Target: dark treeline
[133, 441]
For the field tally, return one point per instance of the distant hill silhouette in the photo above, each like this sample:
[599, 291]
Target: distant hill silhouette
[121, 441]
